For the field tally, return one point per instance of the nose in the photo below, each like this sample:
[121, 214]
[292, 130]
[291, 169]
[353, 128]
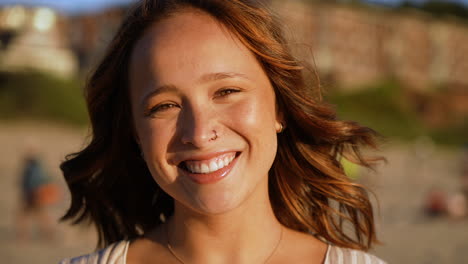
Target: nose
[198, 125]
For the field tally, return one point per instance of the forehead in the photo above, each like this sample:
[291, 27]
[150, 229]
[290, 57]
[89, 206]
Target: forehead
[186, 45]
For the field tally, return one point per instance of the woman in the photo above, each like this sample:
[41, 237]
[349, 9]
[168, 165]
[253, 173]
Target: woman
[208, 146]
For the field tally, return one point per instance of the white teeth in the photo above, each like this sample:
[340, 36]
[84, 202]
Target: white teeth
[212, 166]
[204, 168]
[220, 164]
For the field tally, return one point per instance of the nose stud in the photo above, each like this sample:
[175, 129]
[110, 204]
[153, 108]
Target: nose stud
[199, 139]
[215, 135]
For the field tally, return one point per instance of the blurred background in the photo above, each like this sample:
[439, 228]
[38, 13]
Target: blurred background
[400, 67]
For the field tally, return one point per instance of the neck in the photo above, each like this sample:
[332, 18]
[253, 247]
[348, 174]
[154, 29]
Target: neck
[247, 234]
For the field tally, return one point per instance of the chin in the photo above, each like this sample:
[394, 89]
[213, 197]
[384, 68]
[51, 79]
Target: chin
[216, 204]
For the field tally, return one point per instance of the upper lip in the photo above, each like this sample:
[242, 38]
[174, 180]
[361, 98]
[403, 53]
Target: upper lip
[201, 156]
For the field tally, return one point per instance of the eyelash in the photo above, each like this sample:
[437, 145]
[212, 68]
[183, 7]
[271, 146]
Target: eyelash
[160, 107]
[226, 92]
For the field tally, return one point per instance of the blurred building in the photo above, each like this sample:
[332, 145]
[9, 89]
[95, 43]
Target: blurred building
[354, 45]
[33, 38]
[89, 35]
[43, 39]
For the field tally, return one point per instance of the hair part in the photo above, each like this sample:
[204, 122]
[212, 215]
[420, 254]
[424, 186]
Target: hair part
[112, 187]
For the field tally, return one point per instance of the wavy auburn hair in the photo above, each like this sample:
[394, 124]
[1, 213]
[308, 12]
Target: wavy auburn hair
[112, 187]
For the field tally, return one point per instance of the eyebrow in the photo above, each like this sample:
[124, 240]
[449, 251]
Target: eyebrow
[216, 76]
[209, 77]
[159, 90]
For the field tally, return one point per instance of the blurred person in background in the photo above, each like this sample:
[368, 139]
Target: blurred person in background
[37, 192]
[455, 205]
[435, 203]
[207, 146]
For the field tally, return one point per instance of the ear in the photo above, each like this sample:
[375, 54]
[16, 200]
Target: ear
[279, 123]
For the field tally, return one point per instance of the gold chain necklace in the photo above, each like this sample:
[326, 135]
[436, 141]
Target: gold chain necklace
[169, 247]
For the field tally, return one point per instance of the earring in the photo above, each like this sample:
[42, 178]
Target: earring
[280, 128]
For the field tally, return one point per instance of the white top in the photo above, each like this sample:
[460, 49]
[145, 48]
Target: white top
[117, 254]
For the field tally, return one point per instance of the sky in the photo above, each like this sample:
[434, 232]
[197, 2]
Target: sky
[78, 6]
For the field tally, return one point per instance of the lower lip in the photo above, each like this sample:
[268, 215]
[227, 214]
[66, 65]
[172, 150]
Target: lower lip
[212, 177]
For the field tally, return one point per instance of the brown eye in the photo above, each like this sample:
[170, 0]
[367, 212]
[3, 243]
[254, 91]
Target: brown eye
[226, 91]
[161, 108]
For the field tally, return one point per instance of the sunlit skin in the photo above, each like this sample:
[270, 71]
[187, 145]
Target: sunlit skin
[184, 87]
[199, 95]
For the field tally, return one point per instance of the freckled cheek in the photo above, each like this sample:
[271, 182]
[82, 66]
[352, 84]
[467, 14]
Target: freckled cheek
[253, 116]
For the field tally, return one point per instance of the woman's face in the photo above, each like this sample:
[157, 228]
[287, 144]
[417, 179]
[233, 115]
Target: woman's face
[204, 113]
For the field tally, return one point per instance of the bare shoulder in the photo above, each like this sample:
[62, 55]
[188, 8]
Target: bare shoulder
[150, 248]
[112, 254]
[341, 255]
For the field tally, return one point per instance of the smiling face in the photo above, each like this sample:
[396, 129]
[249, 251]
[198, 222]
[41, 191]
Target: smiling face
[204, 113]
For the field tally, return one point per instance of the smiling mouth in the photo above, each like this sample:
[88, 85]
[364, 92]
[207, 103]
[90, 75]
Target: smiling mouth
[208, 166]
